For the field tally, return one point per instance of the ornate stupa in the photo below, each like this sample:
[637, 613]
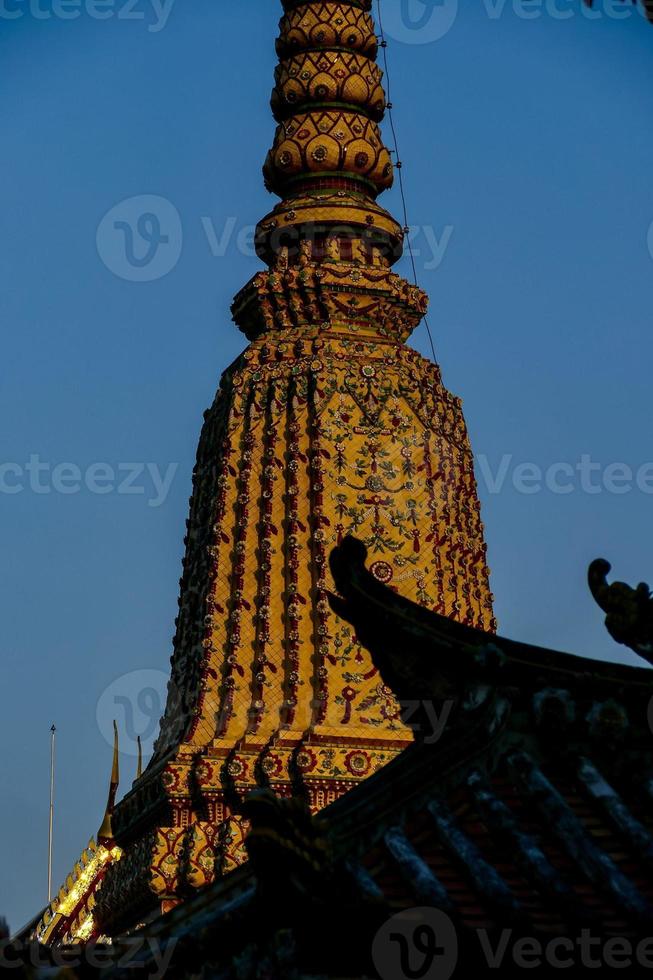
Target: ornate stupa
[327, 425]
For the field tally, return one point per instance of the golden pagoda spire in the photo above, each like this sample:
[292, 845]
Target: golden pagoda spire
[105, 833]
[328, 161]
[329, 165]
[327, 425]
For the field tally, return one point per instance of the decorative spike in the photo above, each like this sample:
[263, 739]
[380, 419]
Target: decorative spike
[105, 833]
[115, 771]
[139, 765]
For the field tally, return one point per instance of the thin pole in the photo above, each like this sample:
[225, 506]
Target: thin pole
[53, 733]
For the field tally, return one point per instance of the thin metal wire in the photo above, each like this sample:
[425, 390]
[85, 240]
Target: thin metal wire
[399, 164]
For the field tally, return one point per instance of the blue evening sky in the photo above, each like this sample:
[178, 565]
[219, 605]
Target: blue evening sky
[528, 148]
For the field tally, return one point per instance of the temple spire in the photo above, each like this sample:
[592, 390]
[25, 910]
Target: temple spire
[330, 244]
[328, 162]
[105, 833]
[327, 425]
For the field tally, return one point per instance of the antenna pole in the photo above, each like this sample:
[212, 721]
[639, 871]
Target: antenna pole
[53, 733]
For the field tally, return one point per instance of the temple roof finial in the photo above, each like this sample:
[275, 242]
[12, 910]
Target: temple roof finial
[105, 832]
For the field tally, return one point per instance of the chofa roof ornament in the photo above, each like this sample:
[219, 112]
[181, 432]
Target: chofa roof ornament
[629, 612]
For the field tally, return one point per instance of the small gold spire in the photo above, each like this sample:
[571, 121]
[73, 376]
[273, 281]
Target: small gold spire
[105, 832]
